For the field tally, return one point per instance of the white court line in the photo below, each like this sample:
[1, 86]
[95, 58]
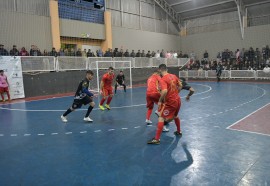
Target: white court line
[41, 134]
[83, 132]
[1, 135]
[128, 106]
[246, 117]
[97, 131]
[246, 131]
[27, 135]
[68, 133]
[111, 129]
[137, 127]
[206, 97]
[54, 133]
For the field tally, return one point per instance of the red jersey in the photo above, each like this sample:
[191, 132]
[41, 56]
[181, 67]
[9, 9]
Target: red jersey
[107, 80]
[153, 84]
[171, 82]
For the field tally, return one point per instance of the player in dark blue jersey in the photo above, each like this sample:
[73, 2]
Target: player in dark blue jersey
[82, 97]
[186, 86]
[120, 81]
[219, 71]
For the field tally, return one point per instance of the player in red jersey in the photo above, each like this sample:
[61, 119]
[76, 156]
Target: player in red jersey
[152, 94]
[106, 89]
[169, 102]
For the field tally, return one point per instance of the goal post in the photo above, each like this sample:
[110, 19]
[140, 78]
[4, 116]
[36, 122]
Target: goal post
[101, 67]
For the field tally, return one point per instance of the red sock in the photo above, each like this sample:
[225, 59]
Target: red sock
[102, 101]
[8, 95]
[159, 130]
[177, 123]
[109, 100]
[148, 114]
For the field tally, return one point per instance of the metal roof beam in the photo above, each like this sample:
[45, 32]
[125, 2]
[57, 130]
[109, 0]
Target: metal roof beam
[258, 3]
[179, 3]
[169, 10]
[207, 6]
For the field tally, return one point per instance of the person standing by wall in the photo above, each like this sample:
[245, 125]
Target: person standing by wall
[4, 86]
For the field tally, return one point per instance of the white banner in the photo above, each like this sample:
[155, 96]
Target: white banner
[13, 70]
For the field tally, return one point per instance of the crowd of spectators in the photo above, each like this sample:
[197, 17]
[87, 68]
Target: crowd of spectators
[245, 59]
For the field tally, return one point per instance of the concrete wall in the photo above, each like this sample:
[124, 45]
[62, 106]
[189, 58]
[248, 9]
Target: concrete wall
[72, 28]
[144, 40]
[24, 30]
[214, 42]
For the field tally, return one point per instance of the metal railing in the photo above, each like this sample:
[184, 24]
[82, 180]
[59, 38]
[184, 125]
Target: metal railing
[67, 63]
[226, 74]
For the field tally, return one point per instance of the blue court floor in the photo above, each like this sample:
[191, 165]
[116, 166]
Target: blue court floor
[36, 148]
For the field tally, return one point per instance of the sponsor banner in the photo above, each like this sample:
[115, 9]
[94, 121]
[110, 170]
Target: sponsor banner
[13, 70]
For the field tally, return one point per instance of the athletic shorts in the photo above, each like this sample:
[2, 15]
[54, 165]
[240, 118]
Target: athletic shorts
[152, 99]
[77, 103]
[170, 111]
[107, 92]
[3, 89]
[186, 87]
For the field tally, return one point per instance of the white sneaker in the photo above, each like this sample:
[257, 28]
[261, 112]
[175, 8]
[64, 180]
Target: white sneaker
[87, 119]
[165, 129]
[64, 119]
[148, 121]
[157, 113]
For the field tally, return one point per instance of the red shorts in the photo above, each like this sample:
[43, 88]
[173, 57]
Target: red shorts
[152, 99]
[4, 89]
[170, 111]
[107, 92]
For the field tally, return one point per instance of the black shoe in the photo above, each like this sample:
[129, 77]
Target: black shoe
[178, 133]
[154, 141]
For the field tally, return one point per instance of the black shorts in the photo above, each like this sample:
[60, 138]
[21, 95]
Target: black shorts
[186, 87]
[77, 103]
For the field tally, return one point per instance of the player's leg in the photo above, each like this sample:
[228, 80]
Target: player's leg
[125, 87]
[76, 104]
[7, 91]
[90, 108]
[115, 88]
[2, 93]
[107, 105]
[177, 120]
[104, 97]
[149, 106]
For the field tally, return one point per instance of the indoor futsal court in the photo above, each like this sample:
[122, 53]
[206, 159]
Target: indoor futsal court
[225, 140]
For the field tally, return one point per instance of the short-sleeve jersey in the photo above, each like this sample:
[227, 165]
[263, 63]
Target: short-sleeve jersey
[84, 84]
[108, 80]
[171, 82]
[3, 81]
[153, 84]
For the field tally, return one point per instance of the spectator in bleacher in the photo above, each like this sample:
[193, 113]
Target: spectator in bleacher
[153, 54]
[192, 56]
[168, 55]
[257, 56]
[157, 55]
[71, 52]
[62, 52]
[126, 54]
[79, 53]
[53, 52]
[115, 52]
[138, 54]
[132, 54]
[108, 53]
[99, 53]
[143, 54]
[149, 55]
[33, 51]
[3, 52]
[84, 53]
[162, 54]
[185, 55]
[23, 52]
[251, 55]
[14, 51]
[175, 55]
[120, 54]
[89, 53]
[180, 55]
[45, 53]
[267, 51]
[205, 55]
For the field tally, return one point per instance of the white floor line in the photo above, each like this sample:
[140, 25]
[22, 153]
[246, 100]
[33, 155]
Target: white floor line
[83, 132]
[246, 131]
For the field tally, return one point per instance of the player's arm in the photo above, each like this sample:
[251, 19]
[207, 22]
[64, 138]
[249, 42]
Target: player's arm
[163, 92]
[86, 90]
[101, 84]
[191, 91]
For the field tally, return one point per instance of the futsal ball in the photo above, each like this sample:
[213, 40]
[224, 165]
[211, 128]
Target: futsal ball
[266, 70]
